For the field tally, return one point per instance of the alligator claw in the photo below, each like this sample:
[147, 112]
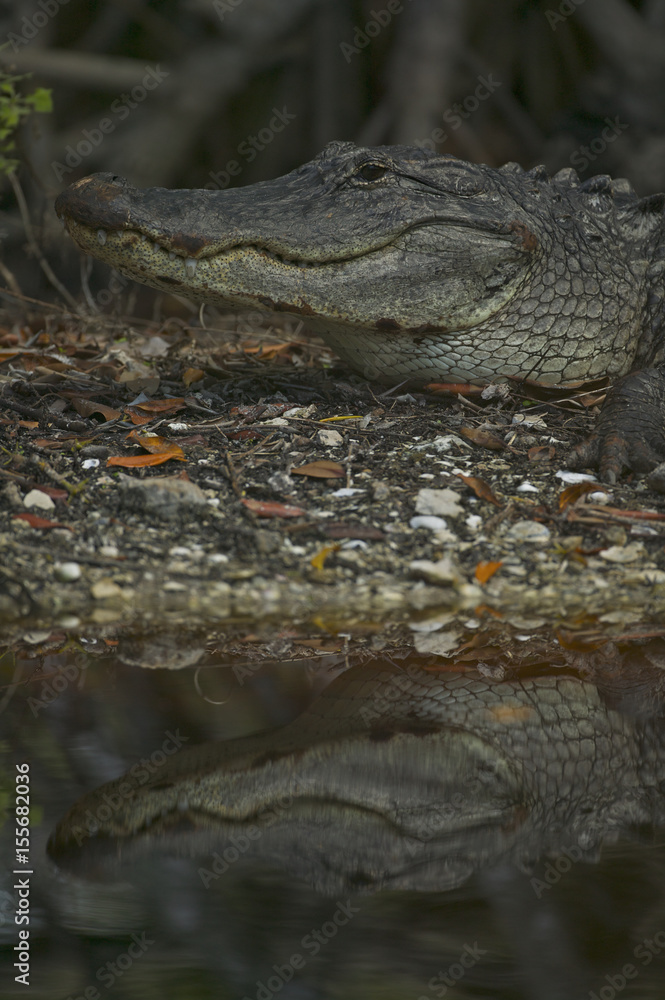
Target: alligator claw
[630, 435]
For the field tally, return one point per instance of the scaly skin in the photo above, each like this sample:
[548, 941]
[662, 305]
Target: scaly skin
[391, 778]
[412, 265]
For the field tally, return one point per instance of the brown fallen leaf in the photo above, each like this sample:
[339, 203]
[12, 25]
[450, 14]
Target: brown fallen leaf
[340, 530]
[40, 522]
[86, 408]
[161, 405]
[157, 445]
[54, 492]
[480, 488]
[267, 351]
[572, 494]
[319, 559]
[140, 461]
[321, 469]
[541, 453]
[486, 570]
[245, 435]
[484, 439]
[580, 642]
[271, 508]
[137, 418]
[191, 375]
[455, 388]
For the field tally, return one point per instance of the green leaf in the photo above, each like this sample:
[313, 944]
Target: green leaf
[41, 99]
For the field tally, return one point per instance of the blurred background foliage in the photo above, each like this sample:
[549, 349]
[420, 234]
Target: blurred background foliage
[188, 93]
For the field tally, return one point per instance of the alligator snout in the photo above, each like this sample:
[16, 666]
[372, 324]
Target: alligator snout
[98, 201]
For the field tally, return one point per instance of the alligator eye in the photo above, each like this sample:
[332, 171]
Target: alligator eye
[371, 171]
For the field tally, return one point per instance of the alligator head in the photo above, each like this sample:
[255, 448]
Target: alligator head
[409, 263]
[400, 779]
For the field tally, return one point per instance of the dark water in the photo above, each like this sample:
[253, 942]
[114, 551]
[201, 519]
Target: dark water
[544, 899]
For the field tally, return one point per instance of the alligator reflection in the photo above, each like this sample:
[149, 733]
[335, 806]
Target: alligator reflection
[394, 778]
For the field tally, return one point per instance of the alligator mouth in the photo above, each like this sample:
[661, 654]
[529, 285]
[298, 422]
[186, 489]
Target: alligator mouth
[167, 265]
[112, 242]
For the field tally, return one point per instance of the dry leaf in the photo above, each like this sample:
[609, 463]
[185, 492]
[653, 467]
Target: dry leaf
[161, 405]
[191, 375]
[340, 530]
[267, 351]
[571, 494]
[330, 420]
[484, 439]
[455, 388]
[486, 570]
[271, 508]
[157, 445]
[86, 407]
[321, 469]
[580, 642]
[40, 522]
[480, 488]
[137, 418]
[318, 560]
[140, 461]
[541, 453]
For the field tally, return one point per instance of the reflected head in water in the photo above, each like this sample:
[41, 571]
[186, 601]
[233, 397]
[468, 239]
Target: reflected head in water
[392, 779]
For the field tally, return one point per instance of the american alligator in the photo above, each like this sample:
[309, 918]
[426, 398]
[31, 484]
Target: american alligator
[419, 266]
[391, 779]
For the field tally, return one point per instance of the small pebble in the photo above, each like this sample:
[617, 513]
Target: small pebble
[428, 521]
[529, 531]
[574, 477]
[38, 500]
[527, 488]
[67, 572]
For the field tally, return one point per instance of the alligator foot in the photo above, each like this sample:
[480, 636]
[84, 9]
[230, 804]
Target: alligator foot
[630, 434]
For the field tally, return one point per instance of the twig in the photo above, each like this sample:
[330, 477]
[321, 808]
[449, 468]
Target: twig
[43, 263]
[10, 279]
[233, 480]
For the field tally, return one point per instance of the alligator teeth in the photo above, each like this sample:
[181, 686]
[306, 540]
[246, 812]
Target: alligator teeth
[171, 255]
[190, 267]
[144, 237]
[101, 236]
